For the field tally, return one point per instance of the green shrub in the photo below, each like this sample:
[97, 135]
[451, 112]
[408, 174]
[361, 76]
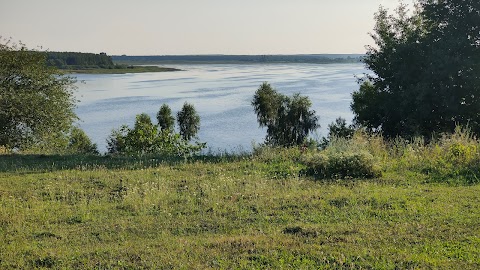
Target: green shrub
[80, 143]
[334, 165]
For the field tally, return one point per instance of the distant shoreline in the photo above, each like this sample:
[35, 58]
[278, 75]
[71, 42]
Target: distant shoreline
[238, 59]
[130, 69]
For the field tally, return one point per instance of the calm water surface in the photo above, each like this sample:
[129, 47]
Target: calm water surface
[220, 93]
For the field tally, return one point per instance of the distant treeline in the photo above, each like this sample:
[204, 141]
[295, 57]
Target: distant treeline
[303, 58]
[76, 60]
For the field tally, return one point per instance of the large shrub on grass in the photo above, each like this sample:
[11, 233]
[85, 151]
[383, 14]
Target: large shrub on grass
[333, 165]
[360, 156]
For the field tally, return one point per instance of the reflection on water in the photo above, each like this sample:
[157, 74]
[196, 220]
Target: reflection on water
[220, 93]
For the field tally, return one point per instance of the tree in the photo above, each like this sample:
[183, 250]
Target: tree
[146, 138]
[165, 119]
[339, 129]
[80, 143]
[289, 120]
[426, 70]
[142, 138]
[188, 121]
[36, 101]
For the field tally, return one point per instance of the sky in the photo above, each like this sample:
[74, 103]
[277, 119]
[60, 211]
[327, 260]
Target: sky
[178, 27]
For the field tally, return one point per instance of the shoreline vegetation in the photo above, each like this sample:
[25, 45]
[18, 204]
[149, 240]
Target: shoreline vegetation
[120, 70]
[90, 63]
[238, 59]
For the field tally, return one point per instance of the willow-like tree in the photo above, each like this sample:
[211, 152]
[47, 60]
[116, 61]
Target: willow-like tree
[188, 121]
[36, 102]
[288, 120]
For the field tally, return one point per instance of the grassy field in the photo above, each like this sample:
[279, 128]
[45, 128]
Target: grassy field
[132, 69]
[244, 212]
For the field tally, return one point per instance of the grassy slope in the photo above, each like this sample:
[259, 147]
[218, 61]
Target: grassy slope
[134, 69]
[124, 213]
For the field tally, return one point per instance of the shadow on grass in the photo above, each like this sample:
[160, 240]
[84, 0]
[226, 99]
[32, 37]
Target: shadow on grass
[43, 163]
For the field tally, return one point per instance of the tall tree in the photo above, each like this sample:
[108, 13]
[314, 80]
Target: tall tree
[289, 120]
[165, 119]
[426, 70]
[36, 101]
[142, 138]
[188, 121]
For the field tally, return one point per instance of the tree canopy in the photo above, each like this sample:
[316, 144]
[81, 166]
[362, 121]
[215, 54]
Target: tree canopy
[36, 101]
[158, 139]
[289, 120]
[165, 119]
[426, 67]
[65, 60]
[188, 121]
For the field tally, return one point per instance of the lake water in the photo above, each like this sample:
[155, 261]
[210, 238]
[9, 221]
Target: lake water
[221, 93]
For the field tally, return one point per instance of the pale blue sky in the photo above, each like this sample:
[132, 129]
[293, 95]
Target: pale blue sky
[156, 27]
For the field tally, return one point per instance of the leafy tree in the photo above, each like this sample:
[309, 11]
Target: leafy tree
[337, 129]
[79, 143]
[340, 129]
[146, 138]
[188, 121]
[36, 101]
[426, 70]
[117, 141]
[289, 120]
[142, 138]
[165, 119]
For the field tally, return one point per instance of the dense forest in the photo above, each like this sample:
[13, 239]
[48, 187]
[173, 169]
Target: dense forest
[77, 60]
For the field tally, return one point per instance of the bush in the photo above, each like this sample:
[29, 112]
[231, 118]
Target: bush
[334, 165]
[79, 143]
[147, 138]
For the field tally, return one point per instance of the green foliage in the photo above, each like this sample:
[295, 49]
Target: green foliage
[337, 129]
[142, 138]
[76, 60]
[289, 120]
[36, 101]
[425, 67]
[188, 121]
[79, 143]
[356, 157]
[453, 158]
[147, 138]
[165, 119]
[341, 165]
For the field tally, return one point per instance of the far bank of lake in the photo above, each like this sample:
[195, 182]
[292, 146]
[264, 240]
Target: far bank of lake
[123, 70]
[221, 93]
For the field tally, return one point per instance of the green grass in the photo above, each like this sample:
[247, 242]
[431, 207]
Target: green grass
[132, 69]
[245, 212]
